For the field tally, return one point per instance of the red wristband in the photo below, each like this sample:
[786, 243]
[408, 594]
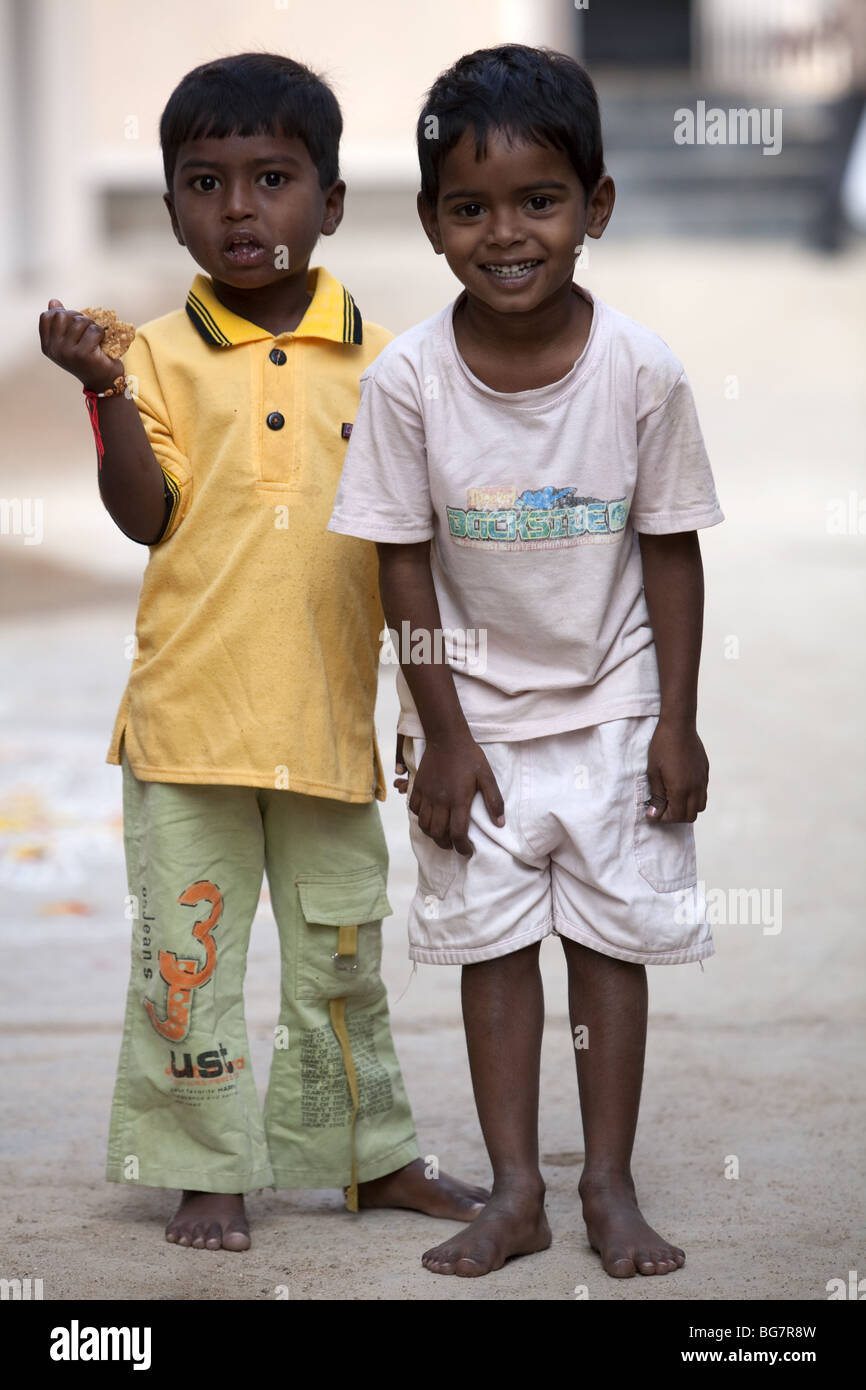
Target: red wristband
[90, 398]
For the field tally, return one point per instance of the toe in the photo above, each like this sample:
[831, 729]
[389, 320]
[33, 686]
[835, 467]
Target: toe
[469, 1268]
[198, 1236]
[472, 1199]
[437, 1262]
[620, 1264]
[214, 1238]
[666, 1258]
[236, 1240]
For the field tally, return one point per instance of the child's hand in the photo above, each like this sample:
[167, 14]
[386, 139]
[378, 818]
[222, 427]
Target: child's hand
[445, 784]
[678, 772]
[72, 340]
[401, 780]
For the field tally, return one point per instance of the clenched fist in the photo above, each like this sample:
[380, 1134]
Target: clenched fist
[73, 341]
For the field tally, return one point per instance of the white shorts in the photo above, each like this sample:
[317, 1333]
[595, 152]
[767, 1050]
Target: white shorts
[577, 856]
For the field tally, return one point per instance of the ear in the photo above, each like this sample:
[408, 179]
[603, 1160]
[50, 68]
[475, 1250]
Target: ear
[600, 209]
[175, 225]
[430, 223]
[332, 214]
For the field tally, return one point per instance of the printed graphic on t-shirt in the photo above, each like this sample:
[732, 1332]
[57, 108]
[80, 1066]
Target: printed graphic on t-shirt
[547, 518]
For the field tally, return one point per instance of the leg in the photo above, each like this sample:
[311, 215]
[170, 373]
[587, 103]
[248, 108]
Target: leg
[609, 998]
[185, 1109]
[327, 864]
[503, 1013]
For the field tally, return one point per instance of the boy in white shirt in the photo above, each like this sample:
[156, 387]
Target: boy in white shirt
[530, 463]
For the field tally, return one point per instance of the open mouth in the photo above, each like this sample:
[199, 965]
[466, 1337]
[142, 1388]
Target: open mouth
[243, 249]
[510, 274]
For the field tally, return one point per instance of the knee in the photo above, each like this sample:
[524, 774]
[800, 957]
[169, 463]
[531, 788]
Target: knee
[587, 961]
[517, 963]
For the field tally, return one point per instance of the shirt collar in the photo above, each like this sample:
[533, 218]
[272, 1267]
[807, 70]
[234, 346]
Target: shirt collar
[332, 313]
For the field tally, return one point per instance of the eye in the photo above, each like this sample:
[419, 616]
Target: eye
[541, 198]
[210, 179]
[468, 210]
[277, 175]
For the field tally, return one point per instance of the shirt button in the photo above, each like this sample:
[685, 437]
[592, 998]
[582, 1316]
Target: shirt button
[275, 420]
[278, 357]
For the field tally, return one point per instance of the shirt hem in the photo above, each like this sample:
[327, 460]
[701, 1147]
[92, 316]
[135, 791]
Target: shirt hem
[540, 728]
[378, 532]
[669, 524]
[207, 777]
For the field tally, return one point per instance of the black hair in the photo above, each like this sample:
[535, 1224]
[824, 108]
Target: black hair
[532, 94]
[254, 94]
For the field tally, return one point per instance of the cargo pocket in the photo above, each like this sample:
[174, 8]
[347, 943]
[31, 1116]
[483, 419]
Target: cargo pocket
[437, 868]
[340, 952]
[664, 852]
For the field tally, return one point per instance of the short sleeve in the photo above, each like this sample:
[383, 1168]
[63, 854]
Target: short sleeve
[675, 490]
[146, 392]
[384, 491]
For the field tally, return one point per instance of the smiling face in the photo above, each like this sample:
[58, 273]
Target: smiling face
[249, 208]
[510, 225]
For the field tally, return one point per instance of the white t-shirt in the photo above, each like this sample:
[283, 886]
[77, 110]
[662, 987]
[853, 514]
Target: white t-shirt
[532, 500]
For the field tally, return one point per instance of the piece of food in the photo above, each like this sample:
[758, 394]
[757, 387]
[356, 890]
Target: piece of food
[118, 335]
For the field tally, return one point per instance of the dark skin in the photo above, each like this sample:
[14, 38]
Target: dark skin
[263, 192]
[523, 203]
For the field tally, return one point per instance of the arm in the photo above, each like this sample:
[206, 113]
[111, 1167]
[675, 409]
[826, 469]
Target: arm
[677, 764]
[131, 481]
[453, 767]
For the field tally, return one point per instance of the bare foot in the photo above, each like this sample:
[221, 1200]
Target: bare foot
[210, 1221]
[512, 1223]
[616, 1229]
[408, 1187]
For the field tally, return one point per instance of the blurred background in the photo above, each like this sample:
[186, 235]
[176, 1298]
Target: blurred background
[751, 266]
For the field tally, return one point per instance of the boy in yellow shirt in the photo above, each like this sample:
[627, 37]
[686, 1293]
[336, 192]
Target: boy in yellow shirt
[246, 732]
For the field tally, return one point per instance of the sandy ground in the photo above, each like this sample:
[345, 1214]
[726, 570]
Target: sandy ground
[756, 1058]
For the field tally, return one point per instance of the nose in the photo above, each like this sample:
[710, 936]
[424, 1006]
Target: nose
[504, 228]
[238, 201]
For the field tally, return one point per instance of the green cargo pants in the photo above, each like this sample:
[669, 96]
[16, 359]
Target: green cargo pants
[185, 1111]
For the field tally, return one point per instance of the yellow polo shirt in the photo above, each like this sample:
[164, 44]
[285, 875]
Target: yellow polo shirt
[258, 629]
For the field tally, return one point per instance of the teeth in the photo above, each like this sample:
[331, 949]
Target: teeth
[511, 272]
